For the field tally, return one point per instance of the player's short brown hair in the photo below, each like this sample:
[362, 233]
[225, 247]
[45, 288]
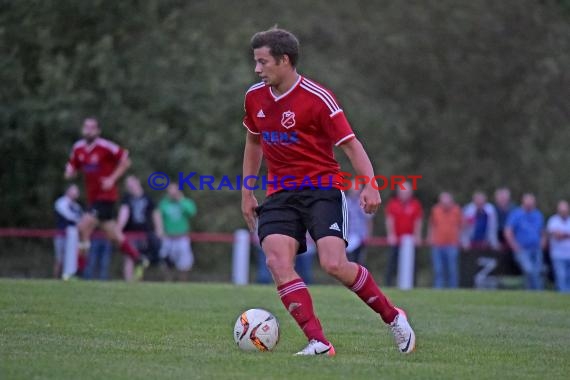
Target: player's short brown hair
[280, 42]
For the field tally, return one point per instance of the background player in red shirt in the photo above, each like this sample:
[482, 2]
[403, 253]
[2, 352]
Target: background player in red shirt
[403, 217]
[294, 123]
[102, 162]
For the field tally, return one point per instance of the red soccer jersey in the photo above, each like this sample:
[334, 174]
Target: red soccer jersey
[298, 132]
[96, 161]
[405, 215]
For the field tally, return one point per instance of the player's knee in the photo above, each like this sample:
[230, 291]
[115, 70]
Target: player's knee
[332, 267]
[278, 265]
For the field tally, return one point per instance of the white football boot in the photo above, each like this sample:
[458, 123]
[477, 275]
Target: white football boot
[403, 333]
[317, 348]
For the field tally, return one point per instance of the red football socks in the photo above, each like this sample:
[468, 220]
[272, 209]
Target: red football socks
[366, 288]
[128, 249]
[298, 302]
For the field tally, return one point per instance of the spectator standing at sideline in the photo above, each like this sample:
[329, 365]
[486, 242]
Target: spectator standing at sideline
[444, 230]
[68, 214]
[99, 261]
[503, 207]
[137, 215]
[359, 226]
[173, 226]
[480, 224]
[403, 217]
[524, 232]
[558, 228]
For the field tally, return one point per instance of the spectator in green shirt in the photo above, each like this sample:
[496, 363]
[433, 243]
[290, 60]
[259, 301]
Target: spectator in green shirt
[174, 214]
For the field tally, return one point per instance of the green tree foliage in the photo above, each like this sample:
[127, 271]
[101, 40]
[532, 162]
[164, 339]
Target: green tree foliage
[467, 94]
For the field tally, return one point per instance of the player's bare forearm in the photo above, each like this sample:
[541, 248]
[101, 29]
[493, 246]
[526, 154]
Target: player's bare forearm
[358, 158]
[70, 172]
[252, 156]
[158, 226]
[510, 238]
[124, 214]
[392, 240]
[418, 230]
[251, 163]
[369, 197]
[121, 169]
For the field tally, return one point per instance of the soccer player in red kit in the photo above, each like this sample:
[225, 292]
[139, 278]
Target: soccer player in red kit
[102, 162]
[294, 123]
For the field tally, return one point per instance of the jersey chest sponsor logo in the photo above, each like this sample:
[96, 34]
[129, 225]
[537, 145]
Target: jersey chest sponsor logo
[280, 138]
[288, 119]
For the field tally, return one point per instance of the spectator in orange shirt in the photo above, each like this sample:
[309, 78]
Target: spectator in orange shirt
[403, 217]
[444, 230]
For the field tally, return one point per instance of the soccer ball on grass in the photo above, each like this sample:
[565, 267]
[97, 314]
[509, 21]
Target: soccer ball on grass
[256, 330]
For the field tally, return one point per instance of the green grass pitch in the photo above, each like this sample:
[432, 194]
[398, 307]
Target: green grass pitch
[90, 330]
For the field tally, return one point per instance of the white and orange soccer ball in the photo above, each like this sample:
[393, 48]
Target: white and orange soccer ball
[256, 330]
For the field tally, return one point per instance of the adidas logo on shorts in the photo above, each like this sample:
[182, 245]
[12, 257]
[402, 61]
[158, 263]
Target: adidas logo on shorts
[335, 227]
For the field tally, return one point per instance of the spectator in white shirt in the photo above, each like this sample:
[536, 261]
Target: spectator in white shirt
[68, 213]
[558, 229]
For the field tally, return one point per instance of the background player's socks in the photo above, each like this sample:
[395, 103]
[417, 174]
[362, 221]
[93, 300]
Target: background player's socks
[128, 249]
[366, 288]
[298, 302]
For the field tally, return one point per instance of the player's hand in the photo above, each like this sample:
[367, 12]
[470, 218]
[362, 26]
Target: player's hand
[417, 241]
[248, 205]
[370, 199]
[107, 183]
[392, 240]
[70, 173]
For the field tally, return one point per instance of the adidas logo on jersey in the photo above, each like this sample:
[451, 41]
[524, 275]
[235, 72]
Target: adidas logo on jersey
[260, 114]
[335, 227]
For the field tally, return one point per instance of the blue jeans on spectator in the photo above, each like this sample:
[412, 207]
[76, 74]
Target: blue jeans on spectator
[99, 259]
[445, 266]
[561, 269]
[303, 266]
[530, 262]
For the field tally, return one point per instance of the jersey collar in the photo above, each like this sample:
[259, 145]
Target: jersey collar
[89, 147]
[294, 86]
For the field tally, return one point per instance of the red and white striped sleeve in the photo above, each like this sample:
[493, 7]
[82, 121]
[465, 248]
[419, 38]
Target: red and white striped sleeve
[330, 116]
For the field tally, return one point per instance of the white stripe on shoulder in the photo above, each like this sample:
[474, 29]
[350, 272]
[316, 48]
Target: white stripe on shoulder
[322, 91]
[327, 103]
[336, 112]
[79, 144]
[330, 105]
[256, 86]
[107, 144]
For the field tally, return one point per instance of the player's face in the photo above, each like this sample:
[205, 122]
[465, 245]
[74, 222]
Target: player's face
[528, 201]
[73, 192]
[90, 130]
[479, 200]
[134, 186]
[446, 199]
[563, 209]
[269, 69]
[173, 192]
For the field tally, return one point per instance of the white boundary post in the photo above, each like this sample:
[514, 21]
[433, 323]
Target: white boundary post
[240, 257]
[406, 259]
